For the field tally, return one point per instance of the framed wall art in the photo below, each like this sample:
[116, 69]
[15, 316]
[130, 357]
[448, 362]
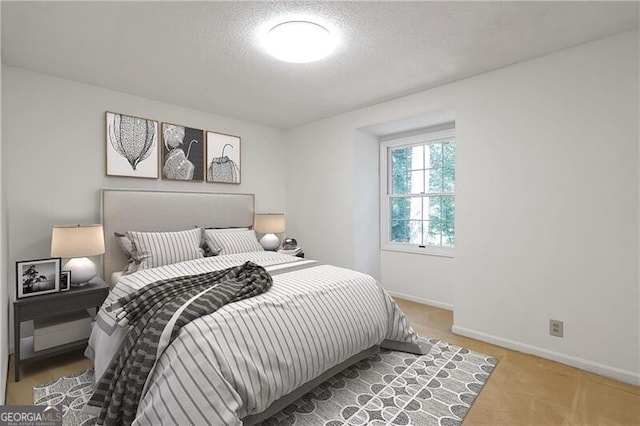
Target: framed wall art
[132, 146]
[65, 280]
[182, 153]
[223, 158]
[36, 277]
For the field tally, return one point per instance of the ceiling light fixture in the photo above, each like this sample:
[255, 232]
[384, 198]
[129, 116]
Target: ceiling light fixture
[299, 41]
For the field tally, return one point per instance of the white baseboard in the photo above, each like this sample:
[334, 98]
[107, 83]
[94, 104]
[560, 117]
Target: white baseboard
[583, 364]
[429, 302]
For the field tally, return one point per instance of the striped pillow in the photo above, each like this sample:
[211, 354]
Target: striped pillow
[207, 250]
[153, 249]
[232, 241]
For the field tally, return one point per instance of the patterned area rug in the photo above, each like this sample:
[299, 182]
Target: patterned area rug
[389, 388]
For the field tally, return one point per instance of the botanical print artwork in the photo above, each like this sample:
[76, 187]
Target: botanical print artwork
[132, 148]
[223, 158]
[182, 153]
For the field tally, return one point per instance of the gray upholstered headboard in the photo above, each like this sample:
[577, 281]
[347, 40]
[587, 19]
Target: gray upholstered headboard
[124, 210]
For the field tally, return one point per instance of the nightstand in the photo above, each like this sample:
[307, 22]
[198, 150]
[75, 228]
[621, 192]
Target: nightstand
[37, 307]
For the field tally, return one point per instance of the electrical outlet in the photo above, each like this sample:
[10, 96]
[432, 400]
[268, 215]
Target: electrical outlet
[556, 328]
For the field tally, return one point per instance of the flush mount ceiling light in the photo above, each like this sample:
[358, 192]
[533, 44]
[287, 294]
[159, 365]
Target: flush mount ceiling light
[299, 41]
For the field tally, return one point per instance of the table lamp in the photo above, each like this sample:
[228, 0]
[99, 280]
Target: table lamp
[76, 242]
[269, 224]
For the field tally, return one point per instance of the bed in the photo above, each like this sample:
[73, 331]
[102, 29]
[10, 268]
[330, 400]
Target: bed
[251, 358]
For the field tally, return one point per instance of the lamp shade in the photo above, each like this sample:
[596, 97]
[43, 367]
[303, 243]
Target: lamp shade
[270, 223]
[77, 240]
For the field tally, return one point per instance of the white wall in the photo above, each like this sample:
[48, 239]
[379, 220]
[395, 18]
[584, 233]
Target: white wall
[562, 174]
[54, 156]
[366, 250]
[547, 204]
[320, 190]
[423, 279]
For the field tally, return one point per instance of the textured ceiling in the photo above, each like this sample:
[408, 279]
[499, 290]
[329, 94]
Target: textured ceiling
[206, 55]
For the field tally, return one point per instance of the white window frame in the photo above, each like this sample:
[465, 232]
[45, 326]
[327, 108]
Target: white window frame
[385, 193]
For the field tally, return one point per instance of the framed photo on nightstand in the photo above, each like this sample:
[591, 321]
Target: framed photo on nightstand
[36, 277]
[65, 280]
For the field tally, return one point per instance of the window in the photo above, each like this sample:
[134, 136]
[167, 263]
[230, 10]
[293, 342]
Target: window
[418, 193]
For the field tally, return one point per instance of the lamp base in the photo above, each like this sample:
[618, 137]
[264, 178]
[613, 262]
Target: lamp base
[82, 271]
[269, 242]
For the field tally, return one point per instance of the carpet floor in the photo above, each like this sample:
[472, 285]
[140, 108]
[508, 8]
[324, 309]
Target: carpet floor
[389, 388]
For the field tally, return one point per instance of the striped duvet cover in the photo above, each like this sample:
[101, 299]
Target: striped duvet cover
[240, 359]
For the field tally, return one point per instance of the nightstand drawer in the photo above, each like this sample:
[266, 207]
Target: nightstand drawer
[43, 306]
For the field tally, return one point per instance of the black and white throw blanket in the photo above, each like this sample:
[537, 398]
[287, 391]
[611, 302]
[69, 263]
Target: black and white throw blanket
[155, 314]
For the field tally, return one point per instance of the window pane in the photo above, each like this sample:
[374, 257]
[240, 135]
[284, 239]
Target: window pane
[400, 232]
[401, 159]
[400, 166]
[416, 208]
[449, 154]
[448, 234]
[416, 232]
[406, 231]
[398, 184]
[449, 176]
[416, 182]
[448, 208]
[433, 155]
[433, 180]
[417, 157]
[432, 204]
[400, 208]
[432, 234]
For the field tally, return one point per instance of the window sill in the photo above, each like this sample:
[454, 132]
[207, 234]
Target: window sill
[428, 251]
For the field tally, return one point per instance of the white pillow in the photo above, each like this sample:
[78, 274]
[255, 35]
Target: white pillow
[153, 249]
[231, 241]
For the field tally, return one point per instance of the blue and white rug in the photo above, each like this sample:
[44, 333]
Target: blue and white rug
[389, 388]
